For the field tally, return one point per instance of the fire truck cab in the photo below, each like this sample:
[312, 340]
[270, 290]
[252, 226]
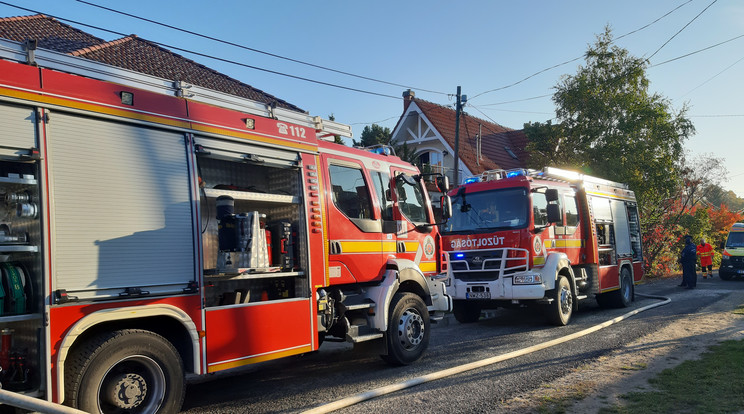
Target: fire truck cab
[548, 237]
[151, 229]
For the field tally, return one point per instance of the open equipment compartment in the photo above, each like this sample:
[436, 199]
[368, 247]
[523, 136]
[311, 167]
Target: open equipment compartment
[264, 221]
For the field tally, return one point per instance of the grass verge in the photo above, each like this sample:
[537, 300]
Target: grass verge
[712, 384]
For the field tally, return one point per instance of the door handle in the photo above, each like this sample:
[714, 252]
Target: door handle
[401, 247]
[335, 247]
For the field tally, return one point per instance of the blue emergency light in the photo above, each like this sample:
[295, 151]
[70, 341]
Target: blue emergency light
[472, 180]
[515, 173]
[459, 255]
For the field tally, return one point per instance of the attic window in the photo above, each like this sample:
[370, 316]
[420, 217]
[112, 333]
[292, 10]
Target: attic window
[511, 153]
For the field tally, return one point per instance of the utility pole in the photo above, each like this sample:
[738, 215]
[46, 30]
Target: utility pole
[458, 109]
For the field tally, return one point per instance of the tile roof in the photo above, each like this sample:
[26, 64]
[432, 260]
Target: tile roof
[497, 142]
[131, 52]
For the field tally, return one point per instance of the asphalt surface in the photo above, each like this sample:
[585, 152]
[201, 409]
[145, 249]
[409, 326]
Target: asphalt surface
[300, 383]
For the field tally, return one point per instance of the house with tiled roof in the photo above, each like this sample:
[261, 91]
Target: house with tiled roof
[429, 129]
[130, 52]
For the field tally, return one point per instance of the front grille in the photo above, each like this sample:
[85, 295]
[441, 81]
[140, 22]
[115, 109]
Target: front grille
[488, 264]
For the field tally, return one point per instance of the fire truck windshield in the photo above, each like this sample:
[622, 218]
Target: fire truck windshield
[489, 210]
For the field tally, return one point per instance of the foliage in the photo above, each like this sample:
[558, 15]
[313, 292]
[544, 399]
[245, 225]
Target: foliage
[611, 126]
[718, 196]
[374, 135]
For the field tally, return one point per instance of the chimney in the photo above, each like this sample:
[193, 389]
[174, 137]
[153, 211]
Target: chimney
[408, 96]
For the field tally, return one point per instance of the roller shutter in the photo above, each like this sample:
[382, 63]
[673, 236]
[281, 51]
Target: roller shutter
[18, 132]
[122, 211]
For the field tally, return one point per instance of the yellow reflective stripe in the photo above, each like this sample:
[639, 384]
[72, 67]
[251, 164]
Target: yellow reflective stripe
[538, 260]
[555, 243]
[389, 247]
[412, 247]
[219, 366]
[428, 267]
[361, 247]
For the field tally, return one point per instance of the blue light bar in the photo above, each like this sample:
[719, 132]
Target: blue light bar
[472, 180]
[459, 255]
[515, 173]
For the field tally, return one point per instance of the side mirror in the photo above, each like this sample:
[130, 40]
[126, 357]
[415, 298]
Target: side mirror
[554, 213]
[551, 194]
[446, 203]
[406, 179]
[443, 183]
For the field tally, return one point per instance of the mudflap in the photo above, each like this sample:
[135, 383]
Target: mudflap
[373, 347]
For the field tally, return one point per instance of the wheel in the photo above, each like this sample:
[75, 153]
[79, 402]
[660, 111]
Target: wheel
[622, 297]
[560, 310]
[126, 371]
[408, 329]
[466, 312]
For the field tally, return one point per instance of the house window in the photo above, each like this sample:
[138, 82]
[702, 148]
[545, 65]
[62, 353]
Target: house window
[431, 160]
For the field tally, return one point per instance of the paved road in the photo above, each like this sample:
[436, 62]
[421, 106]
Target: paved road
[299, 383]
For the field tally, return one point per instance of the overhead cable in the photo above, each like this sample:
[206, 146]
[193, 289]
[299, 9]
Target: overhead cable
[227, 42]
[210, 56]
[578, 58]
[683, 28]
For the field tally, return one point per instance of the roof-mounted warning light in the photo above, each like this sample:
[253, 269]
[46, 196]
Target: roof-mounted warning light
[471, 180]
[381, 149]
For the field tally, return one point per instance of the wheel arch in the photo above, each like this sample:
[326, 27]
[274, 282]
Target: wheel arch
[166, 320]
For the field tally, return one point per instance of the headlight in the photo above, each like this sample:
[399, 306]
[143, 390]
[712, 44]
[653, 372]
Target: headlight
[725, 258]
[527, 279]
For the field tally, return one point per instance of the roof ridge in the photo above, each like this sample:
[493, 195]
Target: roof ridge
[468, 115]
[103, 45]
[216, 72]
[21, 18]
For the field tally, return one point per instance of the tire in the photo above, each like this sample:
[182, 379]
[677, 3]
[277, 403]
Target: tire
[466, 312]
[132, 371]
[408, 329]
[622, 297]
[560, 310]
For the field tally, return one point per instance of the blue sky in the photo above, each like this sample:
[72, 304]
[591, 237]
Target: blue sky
[437, 45]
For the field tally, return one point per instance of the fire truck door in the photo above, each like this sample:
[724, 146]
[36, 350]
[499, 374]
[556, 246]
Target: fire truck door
[413, 214]
[355, 252]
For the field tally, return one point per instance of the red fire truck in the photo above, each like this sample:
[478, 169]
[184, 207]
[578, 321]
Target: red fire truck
[548, 237]
[153, 229]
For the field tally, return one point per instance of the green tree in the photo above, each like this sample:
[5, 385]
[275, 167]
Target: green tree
[610, 125]
[374, 135]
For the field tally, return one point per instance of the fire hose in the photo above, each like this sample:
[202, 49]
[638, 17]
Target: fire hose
[388, 389]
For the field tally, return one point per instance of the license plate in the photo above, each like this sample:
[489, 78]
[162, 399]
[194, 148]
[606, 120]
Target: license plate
[478, 295]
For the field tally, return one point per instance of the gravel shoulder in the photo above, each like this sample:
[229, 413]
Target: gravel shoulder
[599, 383]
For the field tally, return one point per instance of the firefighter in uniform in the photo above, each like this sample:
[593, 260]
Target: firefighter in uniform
[705, 251]
[687, 259]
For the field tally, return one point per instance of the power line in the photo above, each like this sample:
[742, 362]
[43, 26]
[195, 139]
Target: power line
[213, 57]
[697, 51]
[683, 28]
[256, 50]
[580, 57]
[517, 100]
[713, 77]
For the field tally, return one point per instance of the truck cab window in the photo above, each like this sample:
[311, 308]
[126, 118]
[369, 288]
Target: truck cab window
[540, 209]
[411, 201]
[381, 182]
[350, 192]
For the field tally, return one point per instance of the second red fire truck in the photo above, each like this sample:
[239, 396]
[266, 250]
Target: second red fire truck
[548, 238]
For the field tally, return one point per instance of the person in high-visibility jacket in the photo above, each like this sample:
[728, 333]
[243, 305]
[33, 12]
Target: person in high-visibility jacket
[705, 251]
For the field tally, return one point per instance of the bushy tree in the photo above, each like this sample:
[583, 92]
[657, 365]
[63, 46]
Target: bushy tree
[374, 135]
[610, 125]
